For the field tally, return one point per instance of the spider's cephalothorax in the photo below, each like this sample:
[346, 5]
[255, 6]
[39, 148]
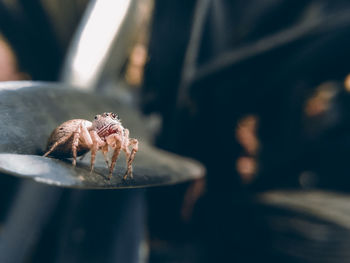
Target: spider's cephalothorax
[76, 137]
[106, 124]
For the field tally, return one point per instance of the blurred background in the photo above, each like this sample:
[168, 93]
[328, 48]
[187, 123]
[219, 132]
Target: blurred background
[257, 91]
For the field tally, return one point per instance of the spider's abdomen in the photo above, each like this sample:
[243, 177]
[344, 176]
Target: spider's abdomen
[66, 129]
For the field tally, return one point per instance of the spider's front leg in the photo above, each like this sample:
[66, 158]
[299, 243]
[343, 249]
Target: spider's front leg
[130, 158]
[105, 153]
[96, 144]
[115, 141]
[130, 155]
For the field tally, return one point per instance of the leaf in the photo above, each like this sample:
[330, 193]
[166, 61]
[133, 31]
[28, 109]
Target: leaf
[29, 111]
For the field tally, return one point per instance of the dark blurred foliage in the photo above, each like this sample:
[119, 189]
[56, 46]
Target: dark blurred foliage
[273, 84]
[279, 61]
[34, 30]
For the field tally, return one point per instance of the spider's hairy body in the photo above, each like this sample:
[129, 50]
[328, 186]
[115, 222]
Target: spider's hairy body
[67, 129]
[76, 137]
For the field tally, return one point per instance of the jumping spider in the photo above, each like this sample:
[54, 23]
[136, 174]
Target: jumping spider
[76, 137]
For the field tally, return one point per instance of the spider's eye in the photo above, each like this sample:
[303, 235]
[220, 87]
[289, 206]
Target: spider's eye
[114, 115]
[96, 117]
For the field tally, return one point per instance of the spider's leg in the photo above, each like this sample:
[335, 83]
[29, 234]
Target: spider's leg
[84, 138]
[105, 151]
[114, 160]
[60, 141]
[75, 144]
[116, 140]
[135, 147]
[126, 150]
[96, 144]
[127, 157]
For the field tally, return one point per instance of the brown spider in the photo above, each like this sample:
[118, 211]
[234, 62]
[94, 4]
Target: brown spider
[76, 137]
